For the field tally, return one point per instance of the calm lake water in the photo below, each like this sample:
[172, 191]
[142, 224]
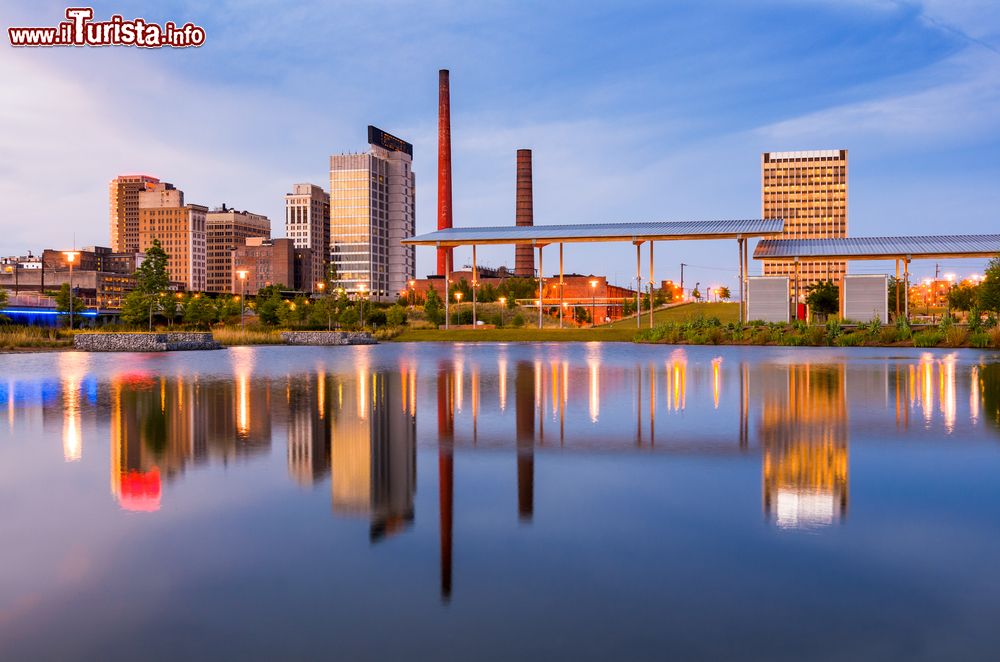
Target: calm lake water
[534, 501]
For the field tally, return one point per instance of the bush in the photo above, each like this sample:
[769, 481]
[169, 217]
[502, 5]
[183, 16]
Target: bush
[928, 338]
[716, 335]
[816, 336]
[955, 336]
[994, 334]
[850, 340]
[888, 335]
[979, 339]
[518, 321]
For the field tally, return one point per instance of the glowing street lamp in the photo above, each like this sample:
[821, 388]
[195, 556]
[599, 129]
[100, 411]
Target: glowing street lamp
[71, 259]
[413, 292]
[242, 274]
[503, 305]
[361, 288]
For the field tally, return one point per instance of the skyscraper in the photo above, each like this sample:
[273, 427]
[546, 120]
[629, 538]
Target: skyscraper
[371, 211]
[809, 191]
[225, 231]
[123, 194]
[307, 224]
[180, 229]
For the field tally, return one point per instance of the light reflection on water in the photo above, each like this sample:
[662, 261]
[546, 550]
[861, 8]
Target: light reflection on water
[356, 423]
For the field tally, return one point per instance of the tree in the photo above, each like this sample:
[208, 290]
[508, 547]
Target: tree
[823, 297]
[432, 307]
[396, 316]
[3, 298]
[269, 304]
[963, 297]
[989, 290]
[349, 318]
[696, 293]
[169, 307]
[199, 311]
[63, 301]
[892, 294]
[151, 277]
[724, 293]
[135, 308]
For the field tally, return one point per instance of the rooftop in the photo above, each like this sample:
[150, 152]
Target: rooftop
[880, 248]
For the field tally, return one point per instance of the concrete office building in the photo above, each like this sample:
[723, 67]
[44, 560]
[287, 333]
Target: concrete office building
[371, 211]
[180, 229]
[809, 191]
[225, 231]
[123, 194]
[307, 224]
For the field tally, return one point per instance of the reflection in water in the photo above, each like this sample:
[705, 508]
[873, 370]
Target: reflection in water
[804, 434]
[356, 425]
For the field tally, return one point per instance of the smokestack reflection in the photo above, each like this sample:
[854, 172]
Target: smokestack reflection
[526, 378]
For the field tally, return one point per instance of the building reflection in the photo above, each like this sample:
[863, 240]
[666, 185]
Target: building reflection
[804, 437]
[373, 449]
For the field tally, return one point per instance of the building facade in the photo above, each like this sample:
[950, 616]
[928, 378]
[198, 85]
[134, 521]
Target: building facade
[180, 229]
[266, 262]
[307, 224]
[225, 231]
[372, 209]
[123, 195]
[809, 191]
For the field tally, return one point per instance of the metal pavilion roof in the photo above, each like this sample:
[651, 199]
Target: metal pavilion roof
[880, 248]
[550, 234]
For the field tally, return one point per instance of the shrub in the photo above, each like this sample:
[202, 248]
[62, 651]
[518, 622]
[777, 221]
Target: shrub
[888, 335]
[994, 334]
[979, 339]
[816, 336]
[518, 321]
[955, 336]
[928, 338]
[903, 330]
[716, 335]
[850, 340]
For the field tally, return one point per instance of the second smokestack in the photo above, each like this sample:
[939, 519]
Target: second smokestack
[524, 215]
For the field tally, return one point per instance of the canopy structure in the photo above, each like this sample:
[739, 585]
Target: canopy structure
[880, 248]
[600, 232]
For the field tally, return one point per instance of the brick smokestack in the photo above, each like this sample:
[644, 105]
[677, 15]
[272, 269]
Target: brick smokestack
[444, 169]
[524, 258]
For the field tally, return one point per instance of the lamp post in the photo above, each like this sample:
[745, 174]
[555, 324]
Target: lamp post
[70, 259]
[321, 286]
[413, 293]
[361, 289]
[458, 300]
[593, 303]
[503, 304]
[242, 273]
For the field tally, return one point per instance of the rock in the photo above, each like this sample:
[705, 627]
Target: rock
[143, 342]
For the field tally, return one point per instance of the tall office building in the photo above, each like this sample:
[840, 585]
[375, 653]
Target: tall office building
[123, 194]
[808, 190]
[371, 211]
[225, 231]
[307, 224]
[180, 228]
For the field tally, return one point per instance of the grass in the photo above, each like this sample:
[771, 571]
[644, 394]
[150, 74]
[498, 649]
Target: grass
[724, 312]
[233, 337]
[517, 335]
[32, 337]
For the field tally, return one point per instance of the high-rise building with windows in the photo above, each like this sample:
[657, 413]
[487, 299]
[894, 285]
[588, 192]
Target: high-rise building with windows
[809, 191]
[307, 224]
[123, 194]
[371, 211]
[180, 229]
[225, 231]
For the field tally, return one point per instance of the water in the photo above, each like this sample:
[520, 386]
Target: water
[579, 501]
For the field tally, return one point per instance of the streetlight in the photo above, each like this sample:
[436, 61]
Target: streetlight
[242, 274]
[362, 288]
[458, 312]
[503, 304]
[70, 259]
[413, 293]
[593, 303]
[321, 286]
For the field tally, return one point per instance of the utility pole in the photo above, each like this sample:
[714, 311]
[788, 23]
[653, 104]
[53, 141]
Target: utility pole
[682, 278]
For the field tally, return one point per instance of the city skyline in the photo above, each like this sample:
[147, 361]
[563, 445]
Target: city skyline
[908, 88]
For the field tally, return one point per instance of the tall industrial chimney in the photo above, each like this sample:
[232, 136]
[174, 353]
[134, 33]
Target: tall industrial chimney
[524, 259]
[444, 255]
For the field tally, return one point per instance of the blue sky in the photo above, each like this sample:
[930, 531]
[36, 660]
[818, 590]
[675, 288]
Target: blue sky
[634, 111]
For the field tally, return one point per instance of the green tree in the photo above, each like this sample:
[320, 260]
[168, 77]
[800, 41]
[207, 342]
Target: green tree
[724, 293]
[169, 307]
[963, 297]
[63, 300]
[3, 298]
[135, 308]
[228, 308]
[269, 305]
[151, 276]
[432, 307]
[989, 290]
[349, 318]
[823, 297]
[199, 311]
[696, 294]
[396, 316]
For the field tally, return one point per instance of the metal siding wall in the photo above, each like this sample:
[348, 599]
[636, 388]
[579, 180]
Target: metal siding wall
[768, 299]
[866, 297]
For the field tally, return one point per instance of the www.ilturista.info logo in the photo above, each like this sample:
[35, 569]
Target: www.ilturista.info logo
[80, 30]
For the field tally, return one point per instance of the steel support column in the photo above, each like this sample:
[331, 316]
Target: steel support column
[560, 285]
[906, 288]
[475, 284]
[540, 290]
[447, 294]
[638, 283]
[651, 284]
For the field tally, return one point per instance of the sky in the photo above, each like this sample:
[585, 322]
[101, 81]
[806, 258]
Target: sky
[634, 111]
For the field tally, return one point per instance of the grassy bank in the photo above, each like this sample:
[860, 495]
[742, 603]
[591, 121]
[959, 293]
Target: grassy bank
[686, 312]
[14, 338]
[516, 335]
[231, 337]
